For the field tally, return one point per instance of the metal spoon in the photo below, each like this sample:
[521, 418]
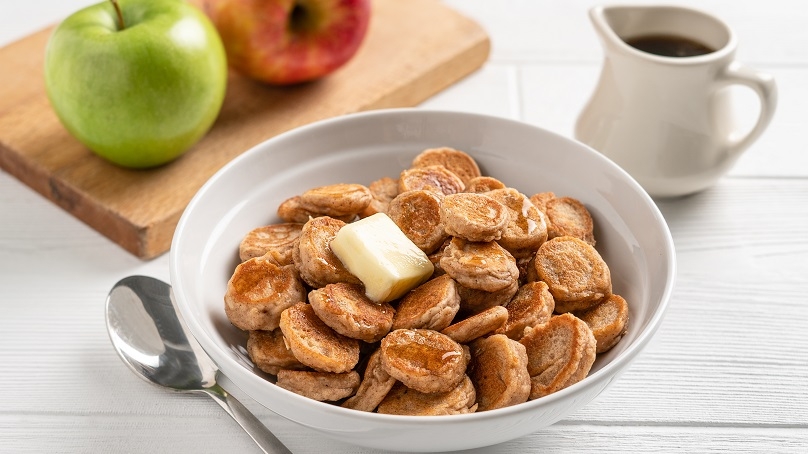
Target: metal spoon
[148, 335]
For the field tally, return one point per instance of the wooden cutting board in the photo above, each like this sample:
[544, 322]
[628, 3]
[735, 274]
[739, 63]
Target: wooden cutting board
[413, 49]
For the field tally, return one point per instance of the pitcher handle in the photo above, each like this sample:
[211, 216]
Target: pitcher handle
[764, 86]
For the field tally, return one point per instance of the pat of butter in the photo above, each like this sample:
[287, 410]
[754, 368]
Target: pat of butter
[376, 251]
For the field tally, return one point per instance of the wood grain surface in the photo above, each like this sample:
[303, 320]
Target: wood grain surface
[413, 50]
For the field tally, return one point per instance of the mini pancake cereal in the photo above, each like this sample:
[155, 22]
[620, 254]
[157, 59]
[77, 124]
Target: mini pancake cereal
[407, 401]
[423, 359]
[269, 352]
[519, 303]
[345, 308]
[259, 291]
[417, 214]
[277, 240]
[456, 161]
[576, 274]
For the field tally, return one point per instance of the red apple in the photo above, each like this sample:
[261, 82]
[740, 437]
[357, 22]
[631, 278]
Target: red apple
[283, 42]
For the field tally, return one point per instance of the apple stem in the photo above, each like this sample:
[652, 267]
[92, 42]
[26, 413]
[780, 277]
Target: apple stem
[120, 15]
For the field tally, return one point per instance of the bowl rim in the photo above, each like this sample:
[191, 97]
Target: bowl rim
[607, 372]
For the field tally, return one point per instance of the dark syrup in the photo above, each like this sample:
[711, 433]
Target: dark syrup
[669, 45]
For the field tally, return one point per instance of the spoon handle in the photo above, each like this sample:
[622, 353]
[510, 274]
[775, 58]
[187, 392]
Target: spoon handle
[254, 428]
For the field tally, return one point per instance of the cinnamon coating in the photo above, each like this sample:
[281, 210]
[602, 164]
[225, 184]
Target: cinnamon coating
[498, 369]
[560, 354]
[424, 360]
[258, 291]
[315, 344]
[277, 240]
[574, 271]
[345, 308]
[313, 257]
[458, 162]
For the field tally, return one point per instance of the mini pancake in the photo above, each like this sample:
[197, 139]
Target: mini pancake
[424, 360]
[268, 351]
[402, 400]
[526, 229]
[277, 240]
[608, 321]
[313, 257]
[417, 214]
[459, 162]
[532, 305]
[315, 344]
[560, 353]
[540, 200]
[498, 369]
[576, 274]
[431, 305]
[383, 191]
[376, 383]
[483, 184]
[291, 210]
[481, 266]
[346, 309]
[320, 386]
[431, 178]
[477, 325]
[569, 217]
[474, 217]
[258, 291]
[343, 199]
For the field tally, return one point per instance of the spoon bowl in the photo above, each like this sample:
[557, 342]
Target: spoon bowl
[148, 335]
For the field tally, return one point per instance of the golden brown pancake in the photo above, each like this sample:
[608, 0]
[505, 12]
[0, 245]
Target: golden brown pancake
[424, 360]
[417, 214]
[402, 400]
[431, 178]
[268, 350]
[277, 240]
[343, 199]
[313, 257]
[560, 353]
[608, 321]
[431, 305]
[474, 217]
[483, 184]
[258, 291]
[498, 369]
[315, 344]
[576, 274]
[320, 386]
[531, 306]
[291, 210]
[526, 229]
[459, 162]
[477, 325]
[540, 200]
[481, 266]
[569, 217]
[376, 383]
[383, 191]
[346, 309]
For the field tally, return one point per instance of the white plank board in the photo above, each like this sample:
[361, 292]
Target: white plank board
[727, 371]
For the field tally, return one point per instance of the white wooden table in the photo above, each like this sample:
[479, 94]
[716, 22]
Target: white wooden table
[728, 370]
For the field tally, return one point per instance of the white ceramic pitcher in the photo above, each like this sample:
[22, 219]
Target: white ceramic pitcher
[668, 121]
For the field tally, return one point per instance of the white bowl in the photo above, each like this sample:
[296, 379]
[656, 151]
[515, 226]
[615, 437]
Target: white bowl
[632, 238]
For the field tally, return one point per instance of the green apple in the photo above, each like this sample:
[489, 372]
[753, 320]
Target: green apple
[136, 81]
